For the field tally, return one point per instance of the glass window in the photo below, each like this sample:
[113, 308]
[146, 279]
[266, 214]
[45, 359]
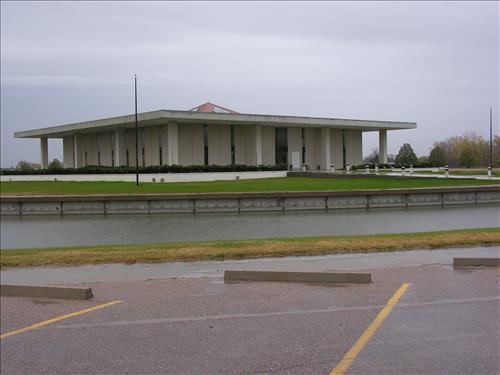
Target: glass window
[85, 147]
[143, 154]
[303, 146]
[281, 146]
[98, 150]
[127, 162]
[205, 143]
[112, 149]
[160, 142]
[233, 149]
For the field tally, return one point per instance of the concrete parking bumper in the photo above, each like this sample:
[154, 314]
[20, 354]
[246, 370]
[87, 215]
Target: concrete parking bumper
[297, 277]
[476, 262]
[41, 291]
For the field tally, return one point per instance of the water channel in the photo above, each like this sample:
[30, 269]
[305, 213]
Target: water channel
[44, 231]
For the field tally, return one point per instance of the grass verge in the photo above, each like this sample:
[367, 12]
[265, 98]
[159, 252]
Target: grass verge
[256, 185]
[221, 250]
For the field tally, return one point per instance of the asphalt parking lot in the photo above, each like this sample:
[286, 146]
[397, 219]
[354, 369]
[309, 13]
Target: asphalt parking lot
[446, 322]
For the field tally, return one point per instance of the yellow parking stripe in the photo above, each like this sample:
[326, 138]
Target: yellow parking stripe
[351, 355]
[57, 319]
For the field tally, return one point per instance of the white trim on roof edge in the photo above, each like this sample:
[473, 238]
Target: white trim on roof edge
[163, 116]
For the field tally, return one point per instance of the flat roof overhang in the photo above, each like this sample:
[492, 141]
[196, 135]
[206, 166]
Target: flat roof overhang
[162, 117]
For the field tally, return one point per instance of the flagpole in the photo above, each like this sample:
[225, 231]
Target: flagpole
[136, 137]
[491, 140]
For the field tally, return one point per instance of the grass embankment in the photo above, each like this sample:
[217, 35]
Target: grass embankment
[221, 250]
[258, 185]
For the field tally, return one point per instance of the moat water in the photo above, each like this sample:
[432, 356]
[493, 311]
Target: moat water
[43, 231]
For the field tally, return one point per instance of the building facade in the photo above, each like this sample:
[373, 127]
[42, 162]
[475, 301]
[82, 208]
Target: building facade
[214, 135]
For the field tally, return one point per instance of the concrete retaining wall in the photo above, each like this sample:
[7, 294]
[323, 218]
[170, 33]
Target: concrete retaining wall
[148, 177]
[247, 202]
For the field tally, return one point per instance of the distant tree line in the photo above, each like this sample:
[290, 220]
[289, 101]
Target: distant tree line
[466, 151]
[27, 167]
[405, 157]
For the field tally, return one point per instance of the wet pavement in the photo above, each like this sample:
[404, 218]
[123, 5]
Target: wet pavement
[448, 321]
[215, 269]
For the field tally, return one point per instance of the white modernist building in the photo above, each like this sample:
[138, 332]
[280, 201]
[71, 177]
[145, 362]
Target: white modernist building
[211, 134]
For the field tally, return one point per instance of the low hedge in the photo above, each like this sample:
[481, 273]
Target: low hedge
[150, 169]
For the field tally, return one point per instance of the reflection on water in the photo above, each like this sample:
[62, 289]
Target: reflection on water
[38, 231]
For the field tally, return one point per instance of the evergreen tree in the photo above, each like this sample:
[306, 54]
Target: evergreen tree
[55, 164]
[437, 157]
[467, 158]
[406, 156]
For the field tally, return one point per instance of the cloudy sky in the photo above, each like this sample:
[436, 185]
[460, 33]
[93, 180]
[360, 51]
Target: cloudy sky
[429, 62]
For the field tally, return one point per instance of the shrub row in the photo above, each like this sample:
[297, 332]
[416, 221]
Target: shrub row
[150, 169]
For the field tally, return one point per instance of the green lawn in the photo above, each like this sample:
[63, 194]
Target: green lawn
[259, 185]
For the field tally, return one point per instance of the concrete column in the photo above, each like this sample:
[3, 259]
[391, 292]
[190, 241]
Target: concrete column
[294, 143]
[130, 135]
[317, 149]
[382, 146]
[105, 147]
[354, 147]
[325, 149]
[310, 148]
[140, 145]
[79, 150]
[76, 150]
[164, 144]
[155, 145]
[240, 145]
[119, 148]
[219, 144]
[151, 145]
[173, 144]
[268, 145]
[336, 147]
[258, 144]
[91, 147]
[68, 152]
[44, 152]
[84, 150]
[250, 154]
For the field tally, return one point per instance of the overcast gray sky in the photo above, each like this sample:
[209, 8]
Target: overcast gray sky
[430, 62]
